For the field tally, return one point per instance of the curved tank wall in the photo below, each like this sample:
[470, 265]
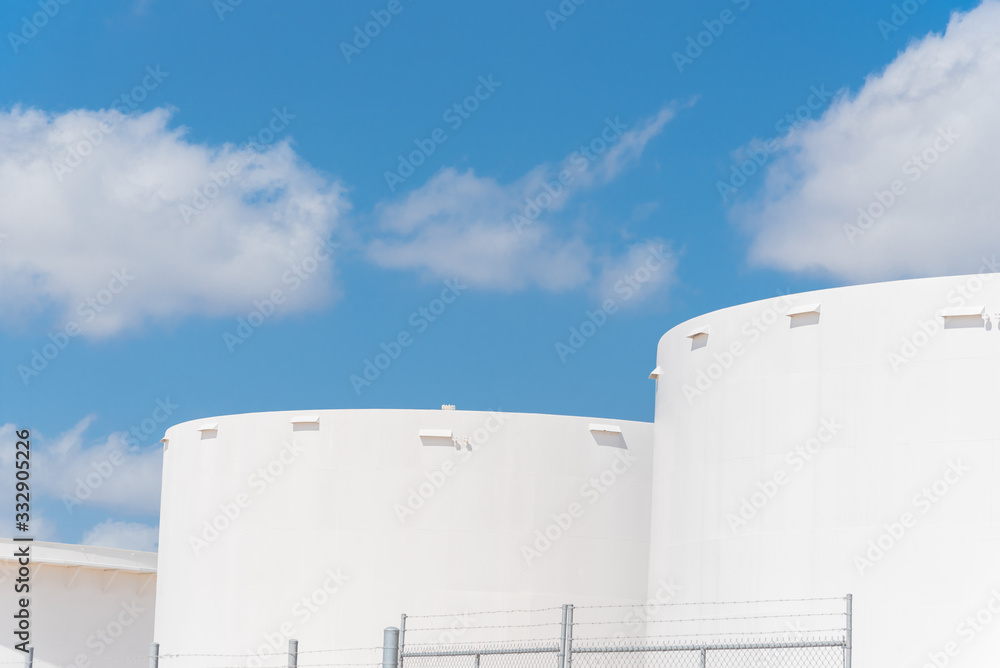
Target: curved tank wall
[838, 441]
[90, 607]
[326, 525]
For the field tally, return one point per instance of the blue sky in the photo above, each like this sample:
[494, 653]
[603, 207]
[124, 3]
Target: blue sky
[113, 118]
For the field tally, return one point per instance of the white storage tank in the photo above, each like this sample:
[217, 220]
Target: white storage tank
[843, 440]
[89, 607]
[325, 525]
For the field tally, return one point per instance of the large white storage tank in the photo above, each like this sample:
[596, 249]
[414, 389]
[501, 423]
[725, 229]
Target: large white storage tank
[843, 440]
[325, 525]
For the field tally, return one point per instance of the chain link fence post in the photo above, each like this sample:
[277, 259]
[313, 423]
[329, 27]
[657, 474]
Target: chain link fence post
[849, 631]
[29, 658]
[293, 653]
[402, 638]
[569, 636]
[561, 661]
[154, 655]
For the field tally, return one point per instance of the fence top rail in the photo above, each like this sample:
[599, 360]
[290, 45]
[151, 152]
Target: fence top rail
[483, 650]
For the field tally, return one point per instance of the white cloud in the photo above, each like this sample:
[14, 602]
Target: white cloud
[123, 535]
[87, 194]
[115, 473]
[504, 236]
[928, 122]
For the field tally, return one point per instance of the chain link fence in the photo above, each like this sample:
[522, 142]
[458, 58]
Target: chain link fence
[787, 633]
[790, 633]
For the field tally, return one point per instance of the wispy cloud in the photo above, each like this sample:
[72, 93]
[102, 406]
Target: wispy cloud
[509, 236]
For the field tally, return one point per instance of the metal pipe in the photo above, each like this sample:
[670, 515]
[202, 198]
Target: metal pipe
[569, 636]
[561, 661]
[704, 658]
[293, 653]
[631, 648]
[390, 647]
[849, 632]
[402, 637]
[484, 652]
[29, 658]
[154, 655]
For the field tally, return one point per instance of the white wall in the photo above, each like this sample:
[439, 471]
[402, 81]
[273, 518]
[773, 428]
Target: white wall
[333, 507]
[90, 606]
[913, 401]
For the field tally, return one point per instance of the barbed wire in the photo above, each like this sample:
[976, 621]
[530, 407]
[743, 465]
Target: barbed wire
[719, 619]
[485, 612]
[343, 649]
[258, 654]
[494, 626]
[668, 604]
